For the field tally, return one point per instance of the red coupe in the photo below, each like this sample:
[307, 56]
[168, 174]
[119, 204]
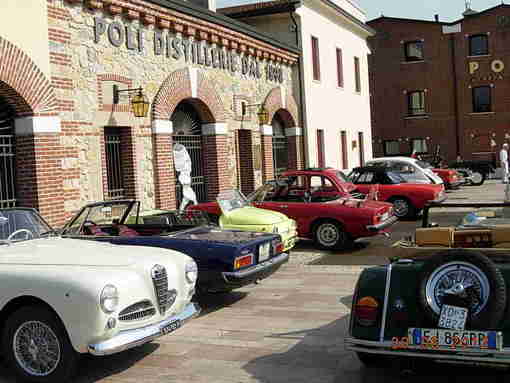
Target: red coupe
[407, 198]
[451, 178]
[320, 202]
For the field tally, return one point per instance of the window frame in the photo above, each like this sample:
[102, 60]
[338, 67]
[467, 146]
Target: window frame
[357, 74]
[386, 153]
[478, 110]
[316, 65]
[321, 155]
[470, 45]
[339, 67]
[412, 111]
[343, 143]
[407, 57]
[413, 140]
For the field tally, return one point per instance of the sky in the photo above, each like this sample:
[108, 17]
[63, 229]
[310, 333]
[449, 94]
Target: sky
[448, 10]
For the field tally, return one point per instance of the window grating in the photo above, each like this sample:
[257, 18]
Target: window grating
[114, 163]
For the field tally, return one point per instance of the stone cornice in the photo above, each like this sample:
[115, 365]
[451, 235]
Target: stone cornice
[169, 19]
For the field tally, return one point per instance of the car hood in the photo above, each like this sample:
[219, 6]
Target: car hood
[250, 215]
[74, 252]
[213, 234]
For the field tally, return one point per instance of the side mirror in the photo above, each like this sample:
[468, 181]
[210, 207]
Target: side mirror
[433, 224]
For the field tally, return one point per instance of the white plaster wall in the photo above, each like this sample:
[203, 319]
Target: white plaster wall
[24, 23]
[352, 7]
[329, 107]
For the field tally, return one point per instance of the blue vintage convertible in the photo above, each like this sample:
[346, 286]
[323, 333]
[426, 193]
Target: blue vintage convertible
[226, 259]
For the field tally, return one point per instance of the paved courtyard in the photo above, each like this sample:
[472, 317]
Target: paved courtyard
[289, 328]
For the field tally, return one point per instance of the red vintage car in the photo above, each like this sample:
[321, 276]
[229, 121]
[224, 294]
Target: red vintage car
[408, 199]
[320, 202]
[451, 178]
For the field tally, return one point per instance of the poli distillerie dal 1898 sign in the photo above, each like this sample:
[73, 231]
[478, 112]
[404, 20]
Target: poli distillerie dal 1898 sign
[196, 52]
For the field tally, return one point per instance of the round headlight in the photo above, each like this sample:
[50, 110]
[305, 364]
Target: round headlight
[109, 299]
[191, 272]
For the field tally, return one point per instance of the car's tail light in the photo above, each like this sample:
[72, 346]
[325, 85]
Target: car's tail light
[366, 311]
[245, 260]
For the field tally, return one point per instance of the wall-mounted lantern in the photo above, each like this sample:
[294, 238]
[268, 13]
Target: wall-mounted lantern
[262, 113]
[139, 103]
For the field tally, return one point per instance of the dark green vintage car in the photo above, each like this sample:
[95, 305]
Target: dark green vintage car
[445, 295]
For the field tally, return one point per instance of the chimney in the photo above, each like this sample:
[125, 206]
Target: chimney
[436, 17]
[207, 4]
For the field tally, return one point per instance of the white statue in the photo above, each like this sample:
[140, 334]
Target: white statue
[182, 163]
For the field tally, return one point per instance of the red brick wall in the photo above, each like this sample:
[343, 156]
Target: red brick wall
[164, 172]
[39, 175]
[216, 165]
[390, 77]
[267, 158]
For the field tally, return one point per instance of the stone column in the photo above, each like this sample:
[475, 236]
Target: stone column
[164, 178]
[266, 141]
[39, 167]
[216, 158]
[296, 148]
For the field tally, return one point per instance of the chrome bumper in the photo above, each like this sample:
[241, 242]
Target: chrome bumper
[383, 225]
[127, 339]
[279, 259]
[501, 357]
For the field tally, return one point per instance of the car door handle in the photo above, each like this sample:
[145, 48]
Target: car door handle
[284, 206]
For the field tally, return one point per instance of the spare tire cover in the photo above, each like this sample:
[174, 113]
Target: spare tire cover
[468, 277]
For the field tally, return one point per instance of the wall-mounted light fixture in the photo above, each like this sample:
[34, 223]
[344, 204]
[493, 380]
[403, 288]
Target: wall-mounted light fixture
[262, 113]
[139, 103]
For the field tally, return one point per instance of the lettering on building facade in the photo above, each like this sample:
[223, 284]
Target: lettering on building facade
[493, 72]
[195, 52]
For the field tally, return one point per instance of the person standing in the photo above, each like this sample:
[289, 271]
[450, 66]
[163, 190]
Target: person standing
[503, 159]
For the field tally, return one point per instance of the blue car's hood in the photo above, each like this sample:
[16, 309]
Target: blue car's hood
[214, 234]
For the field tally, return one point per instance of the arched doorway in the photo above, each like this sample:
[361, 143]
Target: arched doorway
[187, 125]
[280, 146]
[8, 195]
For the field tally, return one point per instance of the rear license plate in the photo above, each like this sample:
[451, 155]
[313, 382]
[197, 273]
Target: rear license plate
[170, 327]
[454, 340]
[264, 252]
[453, 317]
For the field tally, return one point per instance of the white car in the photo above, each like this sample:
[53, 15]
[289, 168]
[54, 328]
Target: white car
[64, 297]
[411, 169]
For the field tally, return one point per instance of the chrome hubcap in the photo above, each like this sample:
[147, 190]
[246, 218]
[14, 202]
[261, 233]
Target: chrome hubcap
[328, 234]
[476, 177]
[460, 279]
[400, 207]
[36, 348]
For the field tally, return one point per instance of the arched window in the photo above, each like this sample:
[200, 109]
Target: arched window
[187, 126]
[7, 155]
[280, 146]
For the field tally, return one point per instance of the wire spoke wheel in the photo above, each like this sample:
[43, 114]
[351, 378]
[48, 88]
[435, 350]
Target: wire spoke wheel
[401, 207]
[36, 348]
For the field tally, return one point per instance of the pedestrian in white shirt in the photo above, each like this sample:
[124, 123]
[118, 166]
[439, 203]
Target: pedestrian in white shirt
[503, 158]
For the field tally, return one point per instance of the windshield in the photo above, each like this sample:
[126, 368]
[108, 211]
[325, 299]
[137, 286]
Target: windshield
[22, 225]
[231, 200]
[103, 215]
[423, 164]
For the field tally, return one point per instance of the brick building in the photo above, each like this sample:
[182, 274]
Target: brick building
[435, 83]
[65, 142]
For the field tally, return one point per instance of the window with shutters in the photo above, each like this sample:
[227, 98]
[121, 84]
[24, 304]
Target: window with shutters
[316, 59]
[343, 140]
[357, 77]
[339, 68]
[320, 148]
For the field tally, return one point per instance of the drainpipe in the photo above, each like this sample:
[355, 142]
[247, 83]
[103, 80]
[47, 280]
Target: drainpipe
[301, 85]
[455, 95]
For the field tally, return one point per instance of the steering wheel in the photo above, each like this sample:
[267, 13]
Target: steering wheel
[29, 234]
[89, 222]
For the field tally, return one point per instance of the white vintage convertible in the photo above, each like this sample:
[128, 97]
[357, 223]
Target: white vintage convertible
[62, 297]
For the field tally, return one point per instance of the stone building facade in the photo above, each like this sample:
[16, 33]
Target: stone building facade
[72, 144]
[441, 84]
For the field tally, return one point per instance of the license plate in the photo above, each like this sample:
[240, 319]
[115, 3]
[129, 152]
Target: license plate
[172, 326]
[264, 252]
[453, 317]
[454, 340]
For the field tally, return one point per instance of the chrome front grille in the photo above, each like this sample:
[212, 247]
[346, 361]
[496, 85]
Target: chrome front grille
[138, 311]
[160, 280]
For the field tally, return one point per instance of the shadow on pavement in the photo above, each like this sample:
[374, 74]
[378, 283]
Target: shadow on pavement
[319, 356]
